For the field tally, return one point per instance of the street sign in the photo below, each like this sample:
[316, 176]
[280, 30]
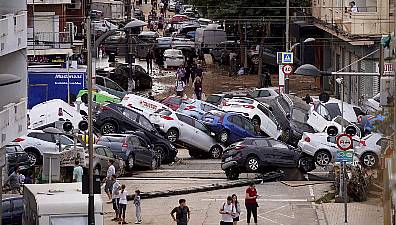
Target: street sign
[285, 57]
[344, 156]
[287, 69]
[281, 76]
[344, 142]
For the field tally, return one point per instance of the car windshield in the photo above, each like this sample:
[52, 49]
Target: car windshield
[163, 112]
[213, 98]
[334, 109]
[111, 139]
[299, 115]
[216, 113]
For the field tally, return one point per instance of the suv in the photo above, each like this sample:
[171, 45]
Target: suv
[132, 149]
[12, 210]
[16, 157]
[36, 142]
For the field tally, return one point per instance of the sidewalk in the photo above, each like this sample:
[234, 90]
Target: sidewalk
[364, 213]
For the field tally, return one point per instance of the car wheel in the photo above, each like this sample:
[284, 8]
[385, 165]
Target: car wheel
[253, 163]
[161, 152]
[306, 164]
[97, 170]
[33, 157]
[215, 152]
[232, 174]
[108, 128]
[322, 158]
[172, 135]
[223, 136]
[130, 162]
[255, 60]
[369, 160]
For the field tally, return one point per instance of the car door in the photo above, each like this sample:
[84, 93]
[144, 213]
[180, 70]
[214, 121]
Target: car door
[201, 136]
[282, 155]
[186, 128]
[45, 142]
[101, 159]
[114, 89]
[237, 127]
[264, 151]
[268, 122]
[130, 120]
[146, 152]
[137, 149]
[319, 117]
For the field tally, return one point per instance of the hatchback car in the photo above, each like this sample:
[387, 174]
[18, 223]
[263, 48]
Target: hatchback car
[259, 155]
[12, 210]
[102, 155]
[218, 99]
[196, 108]
[264, 93]
[369, 149]
[189, 132]
[173, 58]
[134, 150]
[229, 127]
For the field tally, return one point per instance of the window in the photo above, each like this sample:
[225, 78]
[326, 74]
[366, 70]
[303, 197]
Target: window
[186, 119]
[267, 112]
[145, 123]
[134, 141]
[247, 125]
[333, 110]
[237, 120]
[206, 107]
[261, 142]
[164, 112]
[143, 142]
[65, 140]
[264, 93]
[6, 205]
[255, 94]
[113, 85]
[382, 142]
[33, 135]
[11, 149]
[323, 112]
[100, 81]
[100, 151]
[299, 115]
[200, 126]
[45, 137]
[130, 114]
[277, 144]
[284, 105]
[109, 153]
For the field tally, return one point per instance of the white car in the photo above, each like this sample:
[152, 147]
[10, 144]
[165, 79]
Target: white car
[36, 142]
[173, 57]
[372, 104]
[143, 105]
[188, 131]
[369, 149]
[257, 111]
[321, 114]
[322, 147]
[265, 93]
[47, 113]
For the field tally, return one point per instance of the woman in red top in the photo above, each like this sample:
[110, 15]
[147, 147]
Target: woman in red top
[251, 203]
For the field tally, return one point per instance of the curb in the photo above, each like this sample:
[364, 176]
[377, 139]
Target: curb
[205, 188]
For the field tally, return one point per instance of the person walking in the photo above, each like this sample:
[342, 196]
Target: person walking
[149, 61]
[188, 73]
[181, 72]
[138, 209]
[13, 181]
[123, 204]
[182, 213]
[227, 212]
[108, 181]
[237, 209]
[251, 203]
[115, 195]
[198, 87]
[77, 172]
[180, 85]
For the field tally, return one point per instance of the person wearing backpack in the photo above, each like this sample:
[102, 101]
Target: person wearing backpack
[227, 212]
[182, 213]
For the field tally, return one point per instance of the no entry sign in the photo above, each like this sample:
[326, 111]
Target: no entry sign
[344, 142]
[287, 69]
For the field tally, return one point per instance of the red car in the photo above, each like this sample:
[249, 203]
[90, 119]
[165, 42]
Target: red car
[173, 102]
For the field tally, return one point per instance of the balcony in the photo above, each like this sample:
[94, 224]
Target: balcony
[13, 33]
[13, 122]
[372, 19]
[49, 40]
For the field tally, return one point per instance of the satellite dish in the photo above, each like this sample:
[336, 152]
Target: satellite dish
[332, 131]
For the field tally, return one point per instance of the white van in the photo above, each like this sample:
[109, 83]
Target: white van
[58, 204]
[143, 105]
[47, 113]
[207, 38]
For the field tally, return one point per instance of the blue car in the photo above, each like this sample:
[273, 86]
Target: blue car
[12, 210]
[196, 108]
[230, 127]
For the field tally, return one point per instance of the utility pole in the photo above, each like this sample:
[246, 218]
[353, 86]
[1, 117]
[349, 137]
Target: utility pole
[287, 41]
[265, 34]
[128, 9]
[91, 203]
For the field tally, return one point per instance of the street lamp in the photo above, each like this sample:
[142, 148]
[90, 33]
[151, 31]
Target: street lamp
[305, 41]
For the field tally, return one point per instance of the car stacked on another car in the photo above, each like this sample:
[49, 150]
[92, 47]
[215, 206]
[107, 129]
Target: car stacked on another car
[196, 108]
[173, 102]
[15, 156]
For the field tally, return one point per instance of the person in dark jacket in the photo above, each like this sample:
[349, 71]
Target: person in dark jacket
[149, 61]
[198, 87]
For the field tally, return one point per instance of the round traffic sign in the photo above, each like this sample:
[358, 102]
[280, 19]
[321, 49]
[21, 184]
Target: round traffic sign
[287, 69]
[344, 142]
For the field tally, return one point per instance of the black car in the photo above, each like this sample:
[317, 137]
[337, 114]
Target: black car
[134, 150]
[12, 210]
[262, 155]
[292, 114]
[114, 118]
[121, 73]
[16, 156]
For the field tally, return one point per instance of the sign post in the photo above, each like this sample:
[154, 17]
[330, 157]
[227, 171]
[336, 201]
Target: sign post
[344, 143]
[285, 61]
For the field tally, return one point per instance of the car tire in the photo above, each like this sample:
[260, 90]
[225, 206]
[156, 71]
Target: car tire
[130, 162]
[306, 164]
[172, 135]
[322, 158]
[223, 136]
[369, 160]
[162, 153]
[108, 128]
[33, 156]
[215, 152]
[252, 163]
[232, 174]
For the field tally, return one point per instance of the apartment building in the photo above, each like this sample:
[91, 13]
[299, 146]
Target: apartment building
[13, 70]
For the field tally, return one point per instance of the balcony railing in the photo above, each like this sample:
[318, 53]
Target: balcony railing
[13, 121]
[13, 32]
[45, 40]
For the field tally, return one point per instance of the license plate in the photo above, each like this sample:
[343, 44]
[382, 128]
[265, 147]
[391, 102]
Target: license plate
[228, 159]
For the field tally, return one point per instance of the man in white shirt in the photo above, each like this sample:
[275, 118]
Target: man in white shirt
[227, 212]
[109, 182]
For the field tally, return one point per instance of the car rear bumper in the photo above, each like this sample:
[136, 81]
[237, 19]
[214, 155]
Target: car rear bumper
[228, 164]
